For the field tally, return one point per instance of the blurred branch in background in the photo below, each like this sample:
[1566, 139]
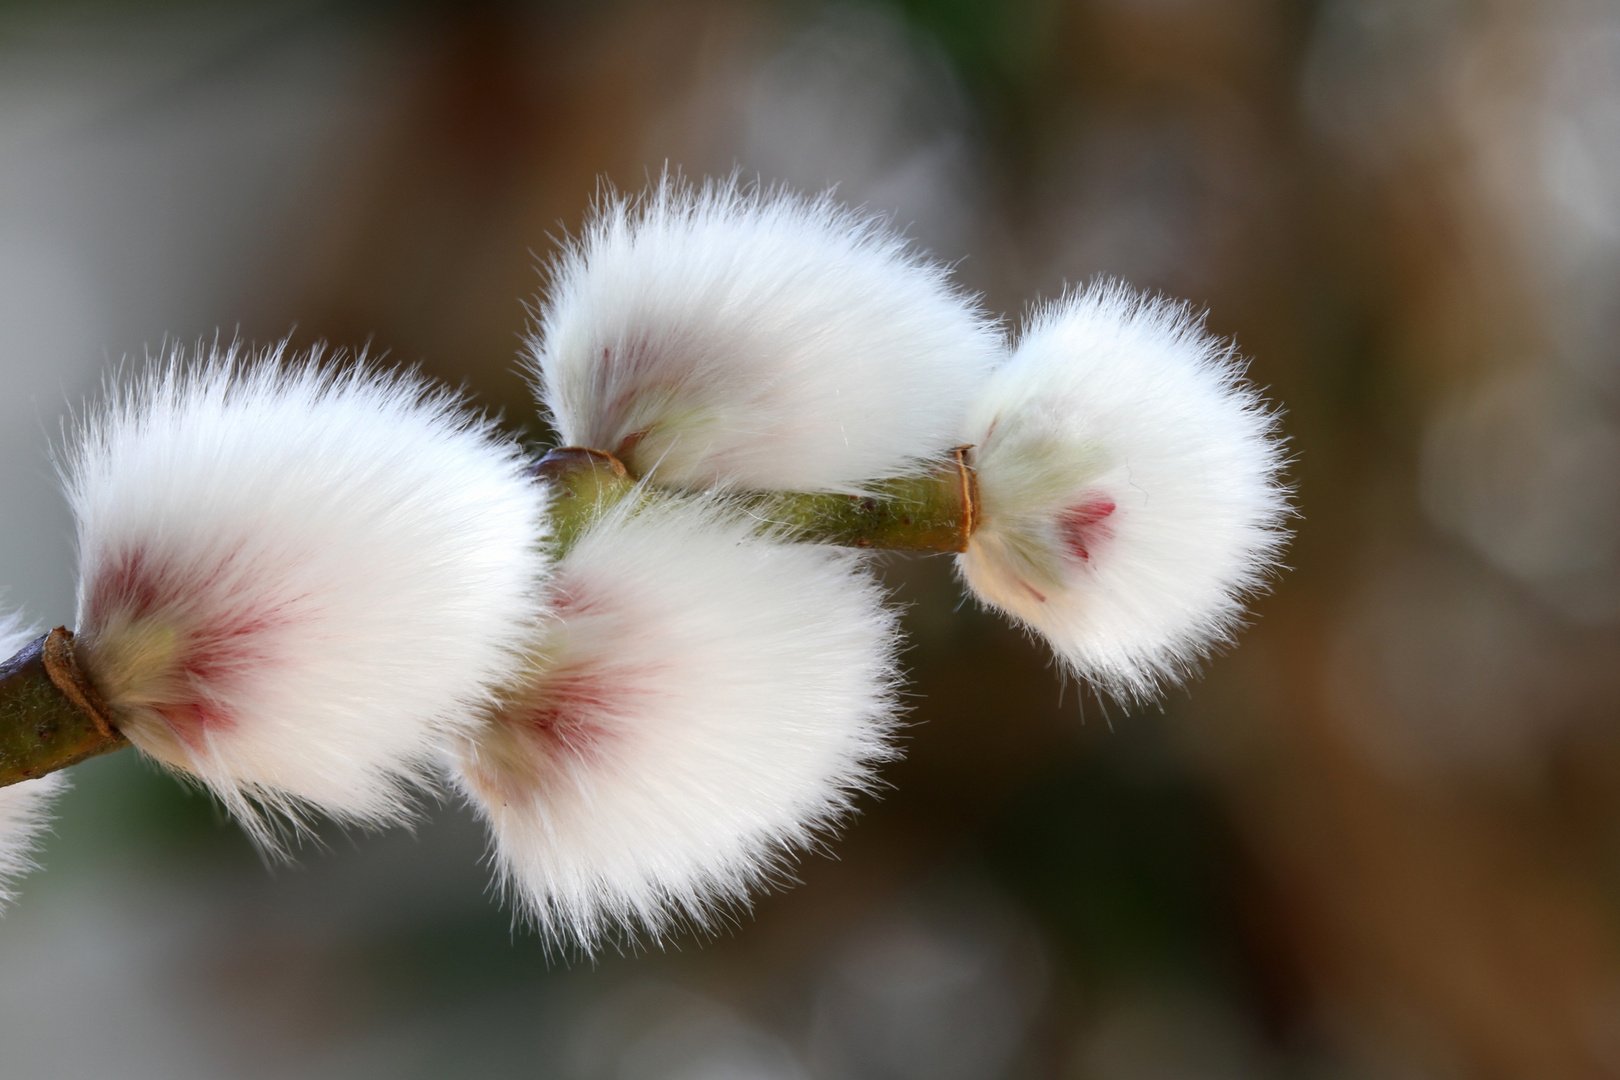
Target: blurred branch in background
[1378, 839]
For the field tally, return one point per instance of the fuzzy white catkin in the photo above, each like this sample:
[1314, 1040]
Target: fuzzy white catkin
[706, 701]
[295, 578]
[24, 806]
[727, 336]
[1130, 486]
[24, 816]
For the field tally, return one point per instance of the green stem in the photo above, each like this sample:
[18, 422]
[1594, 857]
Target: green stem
[50, 715]
[932, 511]
[584, 484]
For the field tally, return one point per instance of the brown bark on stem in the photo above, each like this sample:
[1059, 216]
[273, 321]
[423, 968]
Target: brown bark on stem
[50, 714]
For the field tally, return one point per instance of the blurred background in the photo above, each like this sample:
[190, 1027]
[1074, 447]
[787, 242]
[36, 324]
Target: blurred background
[1379, 839]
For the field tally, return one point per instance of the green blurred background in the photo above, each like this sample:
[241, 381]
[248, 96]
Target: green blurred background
[1378, 839]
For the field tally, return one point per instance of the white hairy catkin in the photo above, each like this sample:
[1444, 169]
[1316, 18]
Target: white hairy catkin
[296, 578]
[729, 336]
[1130, 487]
[706, 701]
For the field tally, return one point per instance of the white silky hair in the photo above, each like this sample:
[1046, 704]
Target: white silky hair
[24, 807]
[24, 818]
[731, 336]
[1123, 409]
[15, 632]
[706, 703]
[296, 577]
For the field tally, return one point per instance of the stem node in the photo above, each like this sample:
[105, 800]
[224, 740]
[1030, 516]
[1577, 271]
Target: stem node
[51, 716]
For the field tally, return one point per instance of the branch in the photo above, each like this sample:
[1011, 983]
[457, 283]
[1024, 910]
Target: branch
[50, 715]
[934, 511]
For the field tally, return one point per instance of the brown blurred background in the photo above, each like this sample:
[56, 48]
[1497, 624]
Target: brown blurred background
[1379, 839]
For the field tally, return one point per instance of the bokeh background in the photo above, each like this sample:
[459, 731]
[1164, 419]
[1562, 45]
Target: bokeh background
[1378, 839]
